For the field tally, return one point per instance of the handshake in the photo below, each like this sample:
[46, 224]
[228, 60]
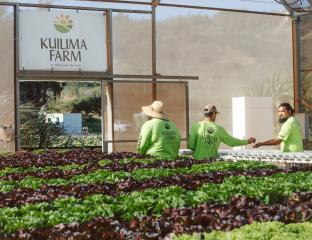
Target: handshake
[251, 140]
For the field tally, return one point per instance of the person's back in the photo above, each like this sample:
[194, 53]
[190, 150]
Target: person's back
[206, 136]
[159, 137]
[163, 139]
[205, 139]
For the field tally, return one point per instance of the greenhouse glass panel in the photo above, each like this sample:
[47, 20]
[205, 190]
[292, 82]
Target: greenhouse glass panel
[234, 55]
[125, 147]
[261, 6]
[128, 99]
[306, 63]
[127, 102]
[132, 53]
[7, 118]
[174, 97]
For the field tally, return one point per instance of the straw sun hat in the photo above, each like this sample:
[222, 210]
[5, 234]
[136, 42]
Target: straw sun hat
[155, 110]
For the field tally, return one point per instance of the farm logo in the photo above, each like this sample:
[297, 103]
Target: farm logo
[167, 126]
[210, 130]
[61, 49]
[63, 23]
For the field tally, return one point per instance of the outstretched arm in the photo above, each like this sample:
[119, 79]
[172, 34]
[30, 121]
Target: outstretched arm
[191, 143]
[270, 142]
[232, 141]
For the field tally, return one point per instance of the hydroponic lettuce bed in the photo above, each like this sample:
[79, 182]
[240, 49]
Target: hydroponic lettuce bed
[86, 194]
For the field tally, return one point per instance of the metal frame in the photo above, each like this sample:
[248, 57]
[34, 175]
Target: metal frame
[72, 7]
[110, 87]
[154, 61]
[109, 41]
[187, 107]
[295, 56]
[289, 9]
[16, 80]
[297, 81]
[188, 6]
[104, 147]
[96, 76]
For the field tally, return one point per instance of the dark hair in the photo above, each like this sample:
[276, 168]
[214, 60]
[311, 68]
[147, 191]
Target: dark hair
[288, 107]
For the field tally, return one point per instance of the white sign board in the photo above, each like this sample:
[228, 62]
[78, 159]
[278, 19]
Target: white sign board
[62, 40]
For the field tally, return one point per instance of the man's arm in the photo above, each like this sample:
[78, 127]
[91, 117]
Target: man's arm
[232, 141]
[270, 142]
[191, 143]
[144, 139]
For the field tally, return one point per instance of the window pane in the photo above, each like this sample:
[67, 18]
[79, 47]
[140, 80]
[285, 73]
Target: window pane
[174, 98]
[128, 100]
[60, 114]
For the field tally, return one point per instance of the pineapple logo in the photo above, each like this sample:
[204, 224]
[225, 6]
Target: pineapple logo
[63, 23]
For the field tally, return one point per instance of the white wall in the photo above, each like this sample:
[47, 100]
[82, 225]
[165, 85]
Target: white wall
[253, 117]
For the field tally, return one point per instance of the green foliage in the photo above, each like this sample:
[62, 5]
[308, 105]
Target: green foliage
[93, 124]
[7, 170]
[36, 130]
[150, 201]
[40, 92]
[143, 174]
[4, 153]
[267, 189]
[77, 141]
[87, 105]
[104, 162]
[258, 231]
[102, 176]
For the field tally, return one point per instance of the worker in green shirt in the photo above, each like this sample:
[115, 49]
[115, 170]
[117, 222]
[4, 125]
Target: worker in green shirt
[206, 136]
[289, 136]
[159, 136]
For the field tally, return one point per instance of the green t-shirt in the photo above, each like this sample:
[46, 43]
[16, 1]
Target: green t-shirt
[159, 138]
[205, 139]
[291, 135]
